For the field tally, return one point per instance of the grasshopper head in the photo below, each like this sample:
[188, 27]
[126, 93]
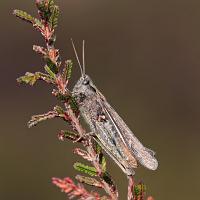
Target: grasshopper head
[84, 88]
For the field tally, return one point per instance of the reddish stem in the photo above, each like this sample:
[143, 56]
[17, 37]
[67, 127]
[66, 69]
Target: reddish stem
[131, 185]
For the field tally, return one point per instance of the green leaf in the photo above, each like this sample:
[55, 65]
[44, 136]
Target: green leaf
[103, 162]
[139, 189]
[89, 181]
[98, 148]
[29, 78]
[73, 104]
[68, 99]
[51, 5]
[43, 7]
[67, 72]
[62, 97]
[48, 11]
[107, 178]
[50, 72]
[24, 15]
[85, 169]
[38, 24]
[59, 110]
[28, 18]
[52, 65]
[53, 20]
[102, 159]
[68, 135]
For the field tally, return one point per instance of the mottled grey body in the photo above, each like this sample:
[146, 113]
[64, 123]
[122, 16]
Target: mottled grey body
[111, 131]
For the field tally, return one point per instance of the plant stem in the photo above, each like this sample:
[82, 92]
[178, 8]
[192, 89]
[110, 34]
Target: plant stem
[131, 185]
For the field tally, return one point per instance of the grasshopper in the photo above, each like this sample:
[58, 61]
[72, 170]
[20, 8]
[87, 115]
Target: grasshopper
[109, 129]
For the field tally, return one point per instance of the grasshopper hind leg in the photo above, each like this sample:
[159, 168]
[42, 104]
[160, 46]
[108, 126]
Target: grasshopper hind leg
[129, 171]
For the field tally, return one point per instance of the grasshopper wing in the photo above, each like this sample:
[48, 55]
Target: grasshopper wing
[144, 155]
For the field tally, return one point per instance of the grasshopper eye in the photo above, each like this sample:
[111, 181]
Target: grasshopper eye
[86, 82]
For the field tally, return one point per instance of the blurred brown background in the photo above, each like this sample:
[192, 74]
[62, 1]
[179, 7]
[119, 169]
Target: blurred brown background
[145, 58]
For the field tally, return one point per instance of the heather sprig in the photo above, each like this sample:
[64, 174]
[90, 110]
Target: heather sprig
[58, 74]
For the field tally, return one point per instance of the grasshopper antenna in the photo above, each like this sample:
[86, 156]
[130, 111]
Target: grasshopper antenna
[83, 57]
[76, 54]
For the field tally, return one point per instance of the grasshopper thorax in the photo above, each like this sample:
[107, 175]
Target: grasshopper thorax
[84, 88]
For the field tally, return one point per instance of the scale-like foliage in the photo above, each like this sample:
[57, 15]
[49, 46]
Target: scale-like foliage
[48, 12]
[139, 190]
[89, 181]
[28, 78]
[67, 72]
[66, 134]
[53, 20]
[108, 179]
[85, 169]
[52, 65]
[50, 72]
[31, 78]
[102, 159]
[28, 18]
